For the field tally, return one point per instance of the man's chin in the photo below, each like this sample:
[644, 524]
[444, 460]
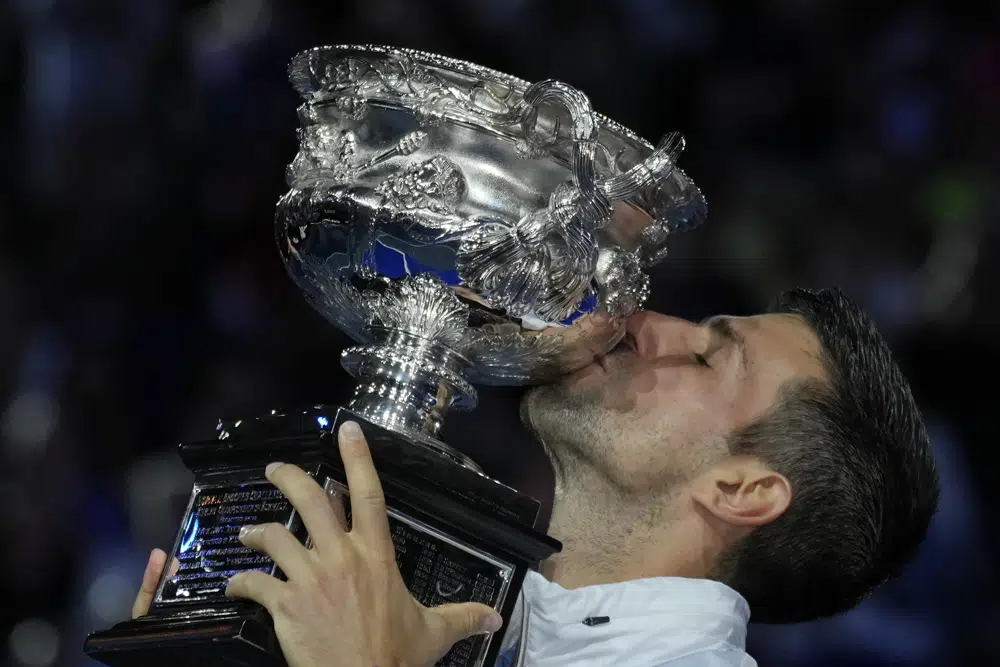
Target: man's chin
[569, 392]
[524, 410]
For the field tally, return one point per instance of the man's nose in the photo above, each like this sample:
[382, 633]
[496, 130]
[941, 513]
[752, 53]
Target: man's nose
[656, 334]
[650, 318]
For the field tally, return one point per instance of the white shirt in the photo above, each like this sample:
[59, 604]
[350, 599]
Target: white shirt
[658, 622]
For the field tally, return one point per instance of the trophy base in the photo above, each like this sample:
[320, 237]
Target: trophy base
[239, 637]
[459, 536]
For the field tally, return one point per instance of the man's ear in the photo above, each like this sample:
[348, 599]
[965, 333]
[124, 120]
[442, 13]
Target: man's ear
[742, 491]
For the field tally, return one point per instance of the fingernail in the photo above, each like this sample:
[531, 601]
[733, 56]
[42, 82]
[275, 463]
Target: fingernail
[154, 558]
[350, 430]
[271, 467]
[492, 623]
[245, 530]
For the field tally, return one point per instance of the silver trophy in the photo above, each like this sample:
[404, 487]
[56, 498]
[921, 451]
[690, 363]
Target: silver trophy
[462, 226]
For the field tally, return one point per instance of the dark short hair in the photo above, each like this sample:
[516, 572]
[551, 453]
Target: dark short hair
[864, 485]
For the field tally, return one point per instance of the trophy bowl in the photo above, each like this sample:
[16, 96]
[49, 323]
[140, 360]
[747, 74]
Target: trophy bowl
[462, 227]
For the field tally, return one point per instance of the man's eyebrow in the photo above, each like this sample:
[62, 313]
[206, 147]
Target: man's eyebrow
[722, 327]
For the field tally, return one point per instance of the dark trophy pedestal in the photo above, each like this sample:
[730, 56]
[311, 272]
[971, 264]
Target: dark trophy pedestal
[459, 536]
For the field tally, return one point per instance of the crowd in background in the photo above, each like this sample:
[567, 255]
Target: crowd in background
[142, 297]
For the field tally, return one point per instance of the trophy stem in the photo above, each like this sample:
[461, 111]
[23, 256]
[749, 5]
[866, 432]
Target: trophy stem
[407, 384]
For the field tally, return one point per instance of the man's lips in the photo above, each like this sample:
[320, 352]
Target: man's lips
[627, 345]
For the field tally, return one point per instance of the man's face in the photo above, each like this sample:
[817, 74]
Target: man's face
[661, 404]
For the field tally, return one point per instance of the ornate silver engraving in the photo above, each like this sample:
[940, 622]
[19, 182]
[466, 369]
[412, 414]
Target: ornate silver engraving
[324, 152]
[625, 285]
[423, 306]
[497, 353]
[542, 265]
[436, 184]
[400, 77]
[328, 154]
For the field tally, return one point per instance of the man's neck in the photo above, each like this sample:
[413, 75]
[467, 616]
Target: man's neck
[609, 537]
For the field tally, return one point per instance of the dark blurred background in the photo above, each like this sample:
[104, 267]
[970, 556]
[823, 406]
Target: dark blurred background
[141, 296]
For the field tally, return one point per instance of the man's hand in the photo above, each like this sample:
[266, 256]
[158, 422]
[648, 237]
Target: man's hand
[344, 603]
[150, 579]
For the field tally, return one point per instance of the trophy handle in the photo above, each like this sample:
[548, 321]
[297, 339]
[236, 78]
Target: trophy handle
[649, 172]
[594, 205]
[543, 265]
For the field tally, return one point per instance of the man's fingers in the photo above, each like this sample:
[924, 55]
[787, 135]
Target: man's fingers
[284, 549]
[337, 504]
[150, 579]
[310, 501]
[258, 586]
[452, 623]
[368, 513]
[174, 566]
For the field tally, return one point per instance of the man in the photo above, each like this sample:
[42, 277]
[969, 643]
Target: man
[776, 463]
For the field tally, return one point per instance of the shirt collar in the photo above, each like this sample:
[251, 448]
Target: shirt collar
[648, 619]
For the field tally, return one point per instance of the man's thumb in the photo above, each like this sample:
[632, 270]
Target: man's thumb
[461, 620]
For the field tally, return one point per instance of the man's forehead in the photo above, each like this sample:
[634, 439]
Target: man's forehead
[784, 336]
[782, 320]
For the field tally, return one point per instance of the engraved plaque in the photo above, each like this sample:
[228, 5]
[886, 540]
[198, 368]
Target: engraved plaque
[208, 548]
[437, 568]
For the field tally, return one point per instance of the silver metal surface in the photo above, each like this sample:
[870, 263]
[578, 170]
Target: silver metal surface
[465, 226]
